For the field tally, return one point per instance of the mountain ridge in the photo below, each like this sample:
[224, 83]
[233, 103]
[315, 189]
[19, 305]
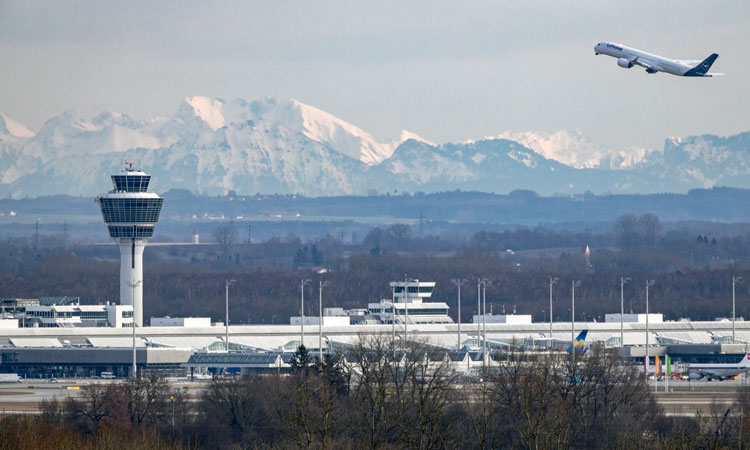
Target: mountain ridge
[271, 145]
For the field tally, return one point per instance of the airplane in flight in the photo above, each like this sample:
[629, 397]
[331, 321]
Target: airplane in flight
[579, 343]
[628, 57]
[718, 371]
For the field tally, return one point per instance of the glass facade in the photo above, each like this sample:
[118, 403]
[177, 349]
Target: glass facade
[131, 183]
[130, 210]
[135, 231]
[414, 289]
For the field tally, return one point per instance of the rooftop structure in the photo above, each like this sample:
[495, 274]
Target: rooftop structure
[195, 322]
[131, 212]
[503, 318]
[409, 305]
[634, 318]
[73, 316]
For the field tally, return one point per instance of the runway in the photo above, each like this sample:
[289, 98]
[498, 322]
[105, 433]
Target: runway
[685, 398]
[690, 398]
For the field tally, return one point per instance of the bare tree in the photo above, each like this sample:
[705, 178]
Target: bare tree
[400, 232]
[226, 236]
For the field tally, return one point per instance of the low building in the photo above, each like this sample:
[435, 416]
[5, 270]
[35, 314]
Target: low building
[192, 322]
[518, 319]
[634, 318]
[75, 362]
[8, 323]
[74, 316]
[315, 320]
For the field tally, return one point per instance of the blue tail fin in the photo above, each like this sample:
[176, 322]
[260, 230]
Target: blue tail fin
[578, 343]
[702, 68]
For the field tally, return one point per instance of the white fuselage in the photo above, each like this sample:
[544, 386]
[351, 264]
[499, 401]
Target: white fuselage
[718, 370]
[655, 62]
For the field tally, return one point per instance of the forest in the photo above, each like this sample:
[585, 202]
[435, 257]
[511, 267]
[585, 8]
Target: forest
[692, 269]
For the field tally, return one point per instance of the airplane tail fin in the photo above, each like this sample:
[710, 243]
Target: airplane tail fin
[746, 360]
[702, 69]
[578, 344]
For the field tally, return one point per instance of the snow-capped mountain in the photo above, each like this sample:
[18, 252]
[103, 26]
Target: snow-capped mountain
[576, 150]
[10, 127]
[283, 146]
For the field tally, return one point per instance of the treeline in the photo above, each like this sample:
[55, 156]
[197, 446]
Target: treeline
[383, 397]
[519, 206]
[272, 294]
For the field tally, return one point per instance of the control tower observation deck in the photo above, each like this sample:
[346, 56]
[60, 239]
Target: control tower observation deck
[131, 212]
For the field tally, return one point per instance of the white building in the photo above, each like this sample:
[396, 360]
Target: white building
[193, 322]
[74, 316]
[315, 320]
[407, 301]
[331, 317]
[8, 323]
[518, 319]
[634, 318]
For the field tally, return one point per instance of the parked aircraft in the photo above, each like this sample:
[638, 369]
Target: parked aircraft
[718, 371]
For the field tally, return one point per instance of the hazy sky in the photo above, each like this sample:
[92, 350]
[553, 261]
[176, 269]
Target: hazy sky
[447, 70]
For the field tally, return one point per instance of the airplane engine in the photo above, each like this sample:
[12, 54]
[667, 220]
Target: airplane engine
[624, 63]
[695, 375]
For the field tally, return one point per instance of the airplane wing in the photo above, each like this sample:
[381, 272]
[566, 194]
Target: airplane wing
[638, 62]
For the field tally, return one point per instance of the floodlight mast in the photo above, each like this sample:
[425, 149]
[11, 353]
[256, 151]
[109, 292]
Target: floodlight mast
[735, 280]
[303, 283]
[479, 313]
[552, 281]
[393, 314]
[226, 317]
[484, 317]
[623, 281]
[647, 362]
[573, 284]
[322, 284]
[458, 282]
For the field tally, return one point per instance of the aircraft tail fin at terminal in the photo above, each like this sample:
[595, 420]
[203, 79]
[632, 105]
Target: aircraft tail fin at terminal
[702, 69]
[578, 343]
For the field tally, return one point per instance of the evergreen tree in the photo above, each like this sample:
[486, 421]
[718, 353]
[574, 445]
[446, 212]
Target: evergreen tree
[301, 358]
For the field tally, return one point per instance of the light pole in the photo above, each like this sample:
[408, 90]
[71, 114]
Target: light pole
[302, 285]
[320, 320]
[479, 313]
[573, 285]
[484, 318]
[393, 314]
[552, 281]
[623, 280]
[646, 361]
[735, 280]
[458, 282]
[482, 292]
[134, 284]
[406, 304]
[226, 318]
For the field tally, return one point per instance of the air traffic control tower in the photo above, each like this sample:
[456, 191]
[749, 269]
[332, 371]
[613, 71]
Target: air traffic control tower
[131, 213]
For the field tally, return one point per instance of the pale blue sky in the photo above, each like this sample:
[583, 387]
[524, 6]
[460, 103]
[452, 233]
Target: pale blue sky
[446, 70]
